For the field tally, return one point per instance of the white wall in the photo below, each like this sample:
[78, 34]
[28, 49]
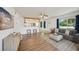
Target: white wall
[51, 23]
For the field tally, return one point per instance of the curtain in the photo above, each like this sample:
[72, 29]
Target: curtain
[57, 23]
[77, 23]
[44, 24]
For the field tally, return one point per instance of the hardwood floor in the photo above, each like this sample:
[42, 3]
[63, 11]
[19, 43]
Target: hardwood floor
[35, 43]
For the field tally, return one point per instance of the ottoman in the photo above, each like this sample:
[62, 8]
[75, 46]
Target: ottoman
[56, 37]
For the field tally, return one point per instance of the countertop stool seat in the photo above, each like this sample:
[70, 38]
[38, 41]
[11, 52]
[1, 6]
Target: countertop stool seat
[28, 31]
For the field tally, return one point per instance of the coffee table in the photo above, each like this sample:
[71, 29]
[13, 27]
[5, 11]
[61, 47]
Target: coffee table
[56, 37]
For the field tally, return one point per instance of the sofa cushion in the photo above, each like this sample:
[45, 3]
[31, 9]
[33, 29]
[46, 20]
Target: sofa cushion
[68, 37]
[60, 33]
[67, 32]
[72, 32]
[76, 38]
[62, 30]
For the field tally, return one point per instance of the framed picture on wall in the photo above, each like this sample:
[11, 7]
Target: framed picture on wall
[6, 20]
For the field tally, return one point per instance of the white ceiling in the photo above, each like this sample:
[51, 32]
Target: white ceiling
[50, 11]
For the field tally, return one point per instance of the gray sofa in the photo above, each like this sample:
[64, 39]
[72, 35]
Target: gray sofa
[73, 35]
[76, 38]
[61, 31]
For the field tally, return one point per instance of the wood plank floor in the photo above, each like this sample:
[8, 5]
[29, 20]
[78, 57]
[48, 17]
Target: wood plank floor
[35, 43]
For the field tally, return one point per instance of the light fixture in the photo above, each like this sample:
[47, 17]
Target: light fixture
[44, 16]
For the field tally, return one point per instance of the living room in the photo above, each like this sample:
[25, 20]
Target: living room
[43, 21]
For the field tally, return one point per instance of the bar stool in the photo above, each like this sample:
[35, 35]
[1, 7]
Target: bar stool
[28, 31]
[34, 31]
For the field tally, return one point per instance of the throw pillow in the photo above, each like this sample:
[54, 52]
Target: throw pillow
[67, 32]
[56, 30]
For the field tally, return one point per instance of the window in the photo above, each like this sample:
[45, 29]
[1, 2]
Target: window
[41, 24]
[67, 23]
[44, 24]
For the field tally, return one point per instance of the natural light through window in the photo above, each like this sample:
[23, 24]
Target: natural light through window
[67, 23]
